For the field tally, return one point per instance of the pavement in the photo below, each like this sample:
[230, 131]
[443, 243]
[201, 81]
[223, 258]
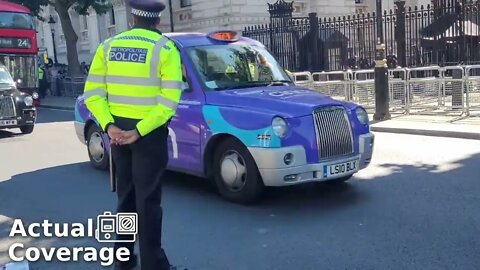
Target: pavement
[427, 125]
[414, 207]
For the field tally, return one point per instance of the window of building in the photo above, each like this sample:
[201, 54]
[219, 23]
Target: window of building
[299, 7]
[111, 17]
[185, 3]
[111, 23]
[84, 28]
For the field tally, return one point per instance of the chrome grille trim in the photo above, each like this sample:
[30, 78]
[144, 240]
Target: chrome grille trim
[7, 107]
[333, 132]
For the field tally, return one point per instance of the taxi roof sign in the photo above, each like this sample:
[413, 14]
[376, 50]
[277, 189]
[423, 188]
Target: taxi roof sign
[229, 36]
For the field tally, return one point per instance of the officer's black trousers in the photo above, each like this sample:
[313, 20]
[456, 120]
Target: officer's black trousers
[139, 169]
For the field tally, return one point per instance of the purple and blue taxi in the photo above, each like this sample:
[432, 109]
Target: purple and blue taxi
[243, 123]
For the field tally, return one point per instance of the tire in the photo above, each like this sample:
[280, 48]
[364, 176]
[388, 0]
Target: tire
[96, 148]
[27, 129]
[340, 180]
[231, 156]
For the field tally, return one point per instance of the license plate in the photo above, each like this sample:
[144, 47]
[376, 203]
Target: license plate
[340, 169]
[8, 122]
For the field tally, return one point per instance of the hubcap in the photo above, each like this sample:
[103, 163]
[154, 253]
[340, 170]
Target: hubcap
[233, 171]
[96, 147]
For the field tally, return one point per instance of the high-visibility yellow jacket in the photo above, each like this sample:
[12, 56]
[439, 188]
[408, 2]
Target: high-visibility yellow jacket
[41, 73]
[136, 74]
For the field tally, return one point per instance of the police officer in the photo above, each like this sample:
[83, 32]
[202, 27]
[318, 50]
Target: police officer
[42, 82]
[133, 89]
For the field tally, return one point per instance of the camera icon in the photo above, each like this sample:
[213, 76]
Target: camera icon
[123, 225]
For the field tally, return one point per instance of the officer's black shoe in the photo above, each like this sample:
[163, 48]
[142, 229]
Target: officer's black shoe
[128, 265]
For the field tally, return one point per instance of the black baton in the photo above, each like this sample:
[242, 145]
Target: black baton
[113, 182]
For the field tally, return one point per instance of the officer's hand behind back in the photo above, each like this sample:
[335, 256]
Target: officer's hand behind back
[129, 137]
[115, 134]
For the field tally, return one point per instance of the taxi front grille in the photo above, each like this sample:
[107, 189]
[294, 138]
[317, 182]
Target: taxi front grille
[333, 131]
[7, 107]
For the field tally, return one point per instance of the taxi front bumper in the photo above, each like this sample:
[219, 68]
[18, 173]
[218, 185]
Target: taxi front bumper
[274, 171]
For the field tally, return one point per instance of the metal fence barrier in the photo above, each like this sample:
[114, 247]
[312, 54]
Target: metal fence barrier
[337, 84]
[472, 74]
[454, 89]
[425, 90]
[397, 85]
[304, 79]
[364, 88]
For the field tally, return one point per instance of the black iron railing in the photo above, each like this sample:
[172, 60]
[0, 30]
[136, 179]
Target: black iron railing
[415, 36]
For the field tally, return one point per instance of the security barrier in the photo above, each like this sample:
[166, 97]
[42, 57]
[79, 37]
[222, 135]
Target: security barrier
[336, 84]
[364, 88]
[472, 74]
[397, 86]
[425, 90]
[454, 89]
[303, 79]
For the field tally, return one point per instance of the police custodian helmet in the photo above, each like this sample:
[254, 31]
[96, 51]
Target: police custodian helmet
[147, 8]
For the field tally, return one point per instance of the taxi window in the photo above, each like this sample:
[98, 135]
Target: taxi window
[230, 66]
[5, 77]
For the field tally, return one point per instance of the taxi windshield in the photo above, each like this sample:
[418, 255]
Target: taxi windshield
[5, 77]
[223, 67]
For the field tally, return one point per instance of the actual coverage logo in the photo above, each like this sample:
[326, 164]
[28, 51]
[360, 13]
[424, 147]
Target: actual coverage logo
[121, 227]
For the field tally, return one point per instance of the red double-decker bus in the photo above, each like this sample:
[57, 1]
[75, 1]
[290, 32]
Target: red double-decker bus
[18, 46]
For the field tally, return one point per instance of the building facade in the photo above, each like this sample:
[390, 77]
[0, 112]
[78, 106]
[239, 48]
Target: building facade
[188, 16]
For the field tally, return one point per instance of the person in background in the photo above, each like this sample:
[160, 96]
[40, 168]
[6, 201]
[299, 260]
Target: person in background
[42, 82]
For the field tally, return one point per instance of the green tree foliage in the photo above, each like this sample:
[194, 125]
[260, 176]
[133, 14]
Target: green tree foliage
[61, 7]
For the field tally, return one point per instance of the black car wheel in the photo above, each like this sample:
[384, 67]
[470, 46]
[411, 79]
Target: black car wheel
[97, 151]
[27, 129]
[235, 173]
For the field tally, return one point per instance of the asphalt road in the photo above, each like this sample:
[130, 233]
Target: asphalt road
[416, 207]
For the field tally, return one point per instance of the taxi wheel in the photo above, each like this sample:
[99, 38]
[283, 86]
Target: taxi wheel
[96, 148]
[235, 173]
[27, 129]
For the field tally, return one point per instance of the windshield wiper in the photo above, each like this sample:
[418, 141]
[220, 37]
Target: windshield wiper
[279, 82]
[256, 83]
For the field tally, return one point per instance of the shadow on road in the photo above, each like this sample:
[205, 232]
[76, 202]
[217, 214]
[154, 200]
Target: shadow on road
[76, 192]
[9, 133]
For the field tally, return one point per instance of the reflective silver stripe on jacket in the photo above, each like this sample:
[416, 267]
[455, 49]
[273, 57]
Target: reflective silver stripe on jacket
[143, 101]
[172, 84]
[155, 62]
[129, 80]
[95, 92]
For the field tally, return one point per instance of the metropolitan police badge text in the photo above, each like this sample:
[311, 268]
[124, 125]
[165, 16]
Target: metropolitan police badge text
[123, 54]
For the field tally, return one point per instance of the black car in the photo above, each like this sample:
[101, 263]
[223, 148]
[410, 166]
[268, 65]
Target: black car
[16, 108]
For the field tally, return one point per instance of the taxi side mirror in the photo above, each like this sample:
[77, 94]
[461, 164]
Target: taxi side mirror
[186, 87]
[185, 81]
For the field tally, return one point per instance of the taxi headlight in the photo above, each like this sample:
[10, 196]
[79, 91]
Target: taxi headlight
[280, 127]
[35, 95]
[362, 115]
[28, 101]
